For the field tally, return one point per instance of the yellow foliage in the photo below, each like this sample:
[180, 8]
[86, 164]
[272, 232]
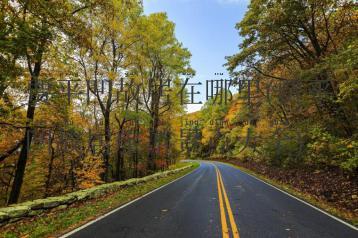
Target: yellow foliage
[89, 175]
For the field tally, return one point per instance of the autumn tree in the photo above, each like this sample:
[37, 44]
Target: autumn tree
[163, 59]
[85, 86]
[32, 29]
[296, 76]
[291, 40]
[103, 59]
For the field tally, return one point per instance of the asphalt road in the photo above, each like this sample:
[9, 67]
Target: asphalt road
[217, 200]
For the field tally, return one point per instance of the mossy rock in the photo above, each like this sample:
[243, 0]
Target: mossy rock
[96, 192]
[45, 203]
[65, 199]
[119, 184]
[35, 205]
[161, 175]
[51, 203]
[153, 177]
[142, 180]
[33, 213]
[111, 187]
[81, 195]
[16, 219]
[149, 177]
[3, 217]
[15, 211]
[70, 198]
[61, 207]
[130, 182]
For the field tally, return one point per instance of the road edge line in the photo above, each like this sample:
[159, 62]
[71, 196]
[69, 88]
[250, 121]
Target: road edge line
[298, 199]
[123, 206]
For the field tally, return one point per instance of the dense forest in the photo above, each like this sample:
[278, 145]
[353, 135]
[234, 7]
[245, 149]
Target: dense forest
[91, 91]
[297, 104]
[88, 90]
[107, 130]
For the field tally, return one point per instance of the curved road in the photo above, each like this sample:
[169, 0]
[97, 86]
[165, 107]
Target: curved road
[217, 200]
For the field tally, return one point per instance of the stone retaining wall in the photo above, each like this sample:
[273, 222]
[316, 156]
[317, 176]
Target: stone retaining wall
[19, 211]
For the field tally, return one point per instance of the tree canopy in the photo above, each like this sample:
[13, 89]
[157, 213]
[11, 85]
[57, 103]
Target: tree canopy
[86, 90]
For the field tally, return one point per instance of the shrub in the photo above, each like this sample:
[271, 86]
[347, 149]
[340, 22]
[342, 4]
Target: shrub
[328, 150]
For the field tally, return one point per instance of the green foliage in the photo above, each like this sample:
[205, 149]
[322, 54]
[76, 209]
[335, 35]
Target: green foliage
[304, 56]
[247, 154]
[100, 128]
[328, 150]
[284, 152]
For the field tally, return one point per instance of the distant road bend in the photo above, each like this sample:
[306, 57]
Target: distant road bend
[216, 200]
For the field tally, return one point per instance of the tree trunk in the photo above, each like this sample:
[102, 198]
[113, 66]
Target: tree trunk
[26, 142]
[107, 149]
[50, 165]
[120, 159]
[168, 136]
[136, 136]
[153, 130]
[72, 175]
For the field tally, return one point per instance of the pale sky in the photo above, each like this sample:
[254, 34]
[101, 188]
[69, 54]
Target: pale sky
[207, 29]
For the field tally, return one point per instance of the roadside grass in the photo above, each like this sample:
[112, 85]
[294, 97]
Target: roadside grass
[60, 222]
[178, 165]
[344, 215]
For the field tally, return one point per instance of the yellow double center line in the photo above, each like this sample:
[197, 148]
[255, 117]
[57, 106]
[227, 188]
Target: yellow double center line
[224, 201]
